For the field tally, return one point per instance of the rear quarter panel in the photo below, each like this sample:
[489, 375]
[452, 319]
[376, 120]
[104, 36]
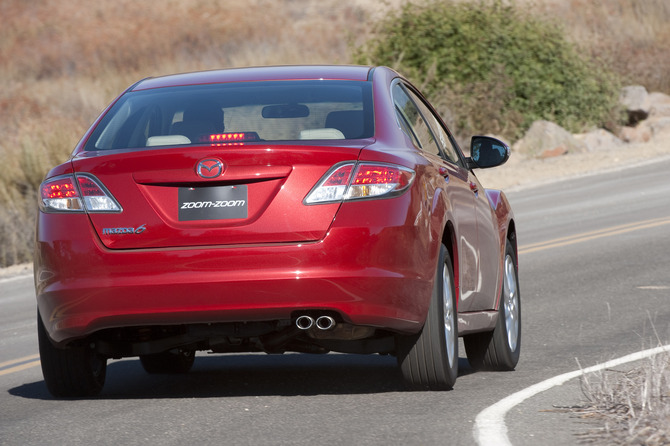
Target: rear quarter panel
[504, 220]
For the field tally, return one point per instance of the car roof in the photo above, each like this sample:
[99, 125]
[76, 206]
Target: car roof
[297, 72]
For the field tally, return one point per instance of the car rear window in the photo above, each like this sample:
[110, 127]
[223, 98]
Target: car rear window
[237, 113]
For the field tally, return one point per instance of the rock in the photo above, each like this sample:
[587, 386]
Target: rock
[552, 153]
[635, 100]
[637, 134]
[655, 124]
[659, 105]
[545, 139]
[658, 126]
[599, 139]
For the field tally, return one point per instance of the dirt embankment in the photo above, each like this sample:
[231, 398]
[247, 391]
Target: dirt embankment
[16, 270]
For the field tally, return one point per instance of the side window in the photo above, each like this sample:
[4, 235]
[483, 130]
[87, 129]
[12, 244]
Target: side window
[406, 127]
[413, 121]
[438, 130]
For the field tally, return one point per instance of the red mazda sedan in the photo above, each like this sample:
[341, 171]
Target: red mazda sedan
[305, 209]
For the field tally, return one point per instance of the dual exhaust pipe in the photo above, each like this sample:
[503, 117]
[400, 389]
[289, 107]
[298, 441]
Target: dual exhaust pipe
[306, 322]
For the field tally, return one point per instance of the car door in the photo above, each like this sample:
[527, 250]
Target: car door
[488, 242]
[430, 137]
[479, 289]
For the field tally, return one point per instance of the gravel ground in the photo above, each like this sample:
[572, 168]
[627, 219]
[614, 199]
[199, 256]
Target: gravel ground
[520, 173]
[16, 270]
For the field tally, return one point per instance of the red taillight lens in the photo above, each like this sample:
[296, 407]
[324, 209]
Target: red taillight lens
[369, 181]
[376, 180]
[89, 187]
[332, 186]
[381, 175]
[61, 195]
[60, 188]
[340, 177]
[96, 198]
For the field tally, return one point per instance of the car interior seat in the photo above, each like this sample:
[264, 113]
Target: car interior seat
[198, 121]
[349, 122]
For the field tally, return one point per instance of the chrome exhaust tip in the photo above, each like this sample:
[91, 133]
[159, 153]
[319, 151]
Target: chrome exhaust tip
[325, 323]
[304, 322]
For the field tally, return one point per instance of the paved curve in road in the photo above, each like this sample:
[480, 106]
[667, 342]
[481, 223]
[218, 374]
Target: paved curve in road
[594, 258]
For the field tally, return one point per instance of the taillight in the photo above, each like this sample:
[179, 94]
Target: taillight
[60, 194]
[96, 197]
[375, 180]
[358, 181]
[63, 194]
[332, 187]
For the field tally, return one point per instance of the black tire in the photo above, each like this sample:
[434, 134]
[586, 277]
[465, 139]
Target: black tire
[173, 361]
[429, 360]
[74, 371]
[499, 349]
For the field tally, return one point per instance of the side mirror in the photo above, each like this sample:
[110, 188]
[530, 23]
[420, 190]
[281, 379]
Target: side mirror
[487, 152]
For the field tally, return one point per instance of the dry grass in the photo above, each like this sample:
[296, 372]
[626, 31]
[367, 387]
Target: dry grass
[62, 61]
[629, 408]
[84, 39]
[629, 35]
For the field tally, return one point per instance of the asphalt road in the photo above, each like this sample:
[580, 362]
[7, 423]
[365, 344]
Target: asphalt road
[595, 256]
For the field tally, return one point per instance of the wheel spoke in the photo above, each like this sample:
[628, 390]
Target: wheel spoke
[448, 310]
[511, 303]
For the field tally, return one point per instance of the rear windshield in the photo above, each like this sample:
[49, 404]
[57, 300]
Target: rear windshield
[237, 113]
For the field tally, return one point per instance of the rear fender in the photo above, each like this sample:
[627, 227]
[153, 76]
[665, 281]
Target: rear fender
[449, 240]
[504, 219]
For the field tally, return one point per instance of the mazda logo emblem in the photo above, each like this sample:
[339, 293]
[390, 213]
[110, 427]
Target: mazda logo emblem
[209, 168]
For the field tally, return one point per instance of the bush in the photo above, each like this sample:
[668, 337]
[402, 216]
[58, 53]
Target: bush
[492, 67]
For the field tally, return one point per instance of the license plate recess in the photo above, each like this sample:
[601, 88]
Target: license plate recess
[213, 203]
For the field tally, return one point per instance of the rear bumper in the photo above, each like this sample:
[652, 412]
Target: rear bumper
[370, 277]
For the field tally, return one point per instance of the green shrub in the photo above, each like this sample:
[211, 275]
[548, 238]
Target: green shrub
[492, 67]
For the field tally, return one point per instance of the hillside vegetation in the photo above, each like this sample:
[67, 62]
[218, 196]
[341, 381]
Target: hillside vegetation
[495, 68]
[61, 62]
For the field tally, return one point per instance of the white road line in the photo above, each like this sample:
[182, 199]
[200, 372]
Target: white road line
[490, 428]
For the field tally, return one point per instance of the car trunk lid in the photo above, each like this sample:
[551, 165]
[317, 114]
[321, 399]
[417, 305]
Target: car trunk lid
[207, 195]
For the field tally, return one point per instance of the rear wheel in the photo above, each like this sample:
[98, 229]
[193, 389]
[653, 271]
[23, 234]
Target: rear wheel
[429, 360]
[499, 349]
[173, 361]
[74, 371]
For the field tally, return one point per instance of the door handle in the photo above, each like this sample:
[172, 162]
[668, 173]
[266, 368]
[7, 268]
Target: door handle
[444, 172]
[473, 187]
